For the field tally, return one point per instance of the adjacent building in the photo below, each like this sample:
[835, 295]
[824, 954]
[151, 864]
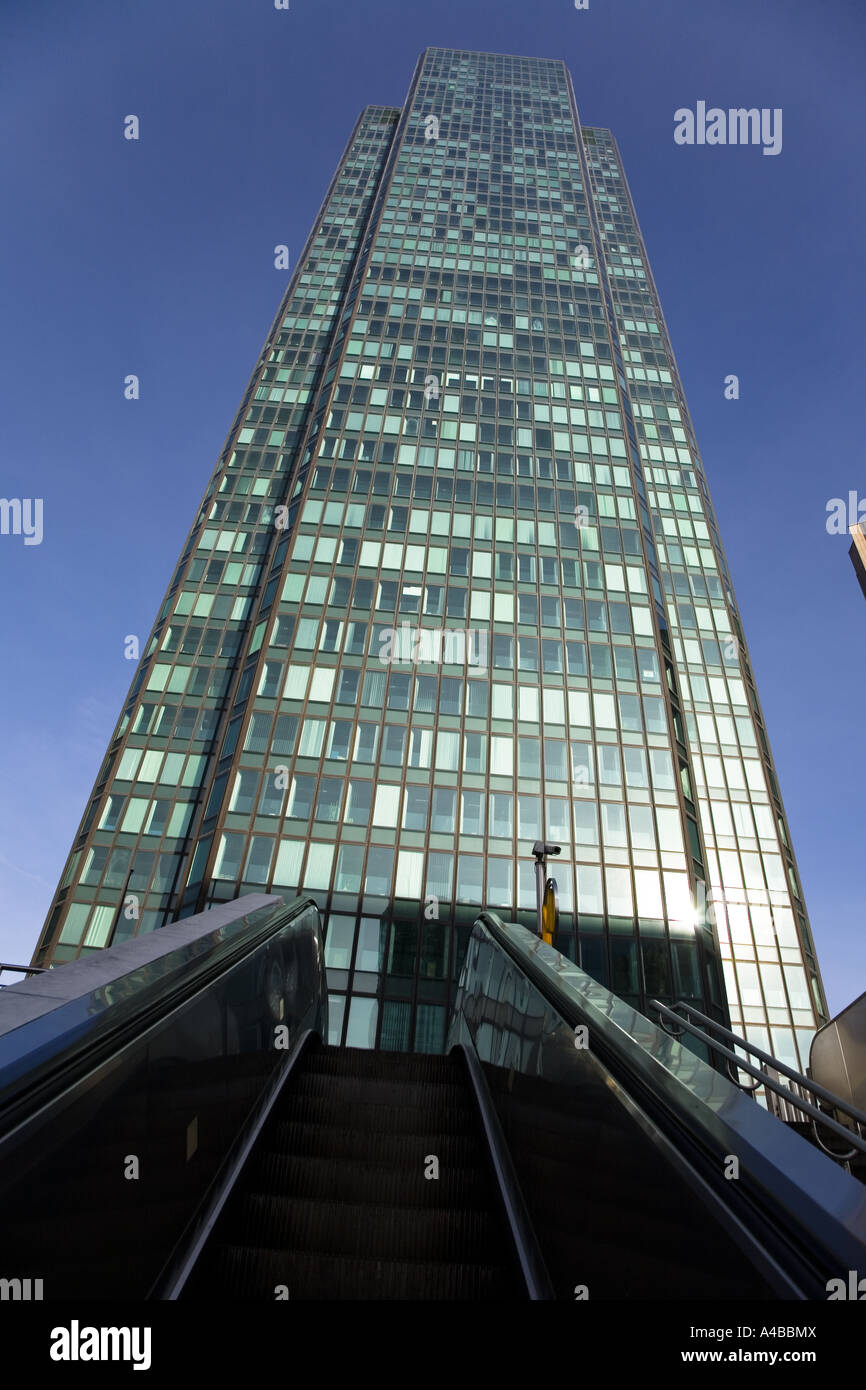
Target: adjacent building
[858, 554]
[456, 585]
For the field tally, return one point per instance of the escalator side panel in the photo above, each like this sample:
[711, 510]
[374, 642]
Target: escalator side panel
[628, 1194]
[98, 1184]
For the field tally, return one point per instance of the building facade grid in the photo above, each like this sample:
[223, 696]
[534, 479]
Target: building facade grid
[457, 585]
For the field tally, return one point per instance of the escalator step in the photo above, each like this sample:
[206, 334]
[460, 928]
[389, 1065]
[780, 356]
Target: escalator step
[444, 1117]
[239, 1273]
[363, 1062]
[403, 1185]
[377, 1091]
[306, 1139]
[333, 1201]
[356, 1230]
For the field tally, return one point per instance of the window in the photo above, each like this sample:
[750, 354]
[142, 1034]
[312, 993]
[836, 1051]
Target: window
[374, 689]
[358, 802]
[472, 813]
[273, 794]
[582, 764]
[244, 794]
[328, 799]
[585, 823]
[399, 688]
[258, 865]
[551, 656]
[415, 808]
[338, 941]
[613, 824]
[558, 820]
[470, 886]
[475, 753]
[529, 758]
[501, 815]
[350, 861]
[366, 741]
[555, 762]
[301, 797]
[393, 746]
[312, 738]
[608, 764]
[527, 648]
[420, 747]
[444, 810]
[451, 696]
[662, 769]
[347, 688]
[426, 693]
[228, 860]
[640, 821]
[340, 739]
[448, 750]
[386, 808]
[635, 767]
[529, 818]
[111, 814]
[380, 863]
[527, 609]
[285, 734]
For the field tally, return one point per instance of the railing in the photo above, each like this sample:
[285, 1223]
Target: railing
[21, 970]
[532, 1267]
[681, 1016]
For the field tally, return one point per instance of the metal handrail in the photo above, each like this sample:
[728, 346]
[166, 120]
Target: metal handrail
[532, 1266]
[836, 1101]
[801, 1081]
[797, 1101]
[171, 1282]
[22, 970]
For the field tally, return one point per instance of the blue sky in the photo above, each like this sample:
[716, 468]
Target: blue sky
[156, 258]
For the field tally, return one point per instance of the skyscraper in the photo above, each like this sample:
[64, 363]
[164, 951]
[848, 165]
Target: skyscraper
[857, 553]
[456, 585]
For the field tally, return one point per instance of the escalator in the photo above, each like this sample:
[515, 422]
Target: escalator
[334, 1202]
[173, 1126]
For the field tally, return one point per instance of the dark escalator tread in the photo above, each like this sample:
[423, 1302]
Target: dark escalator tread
[303, 1138]
[394, 1185]
[333, 1202]
[357, 1230]
[376, 1090]
[363, 1062]
[444, 1118]
[240, 1273]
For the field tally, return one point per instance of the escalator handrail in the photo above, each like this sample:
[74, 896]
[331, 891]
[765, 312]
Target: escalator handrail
[45, 1071]
[170, 1284]
[532, 1266]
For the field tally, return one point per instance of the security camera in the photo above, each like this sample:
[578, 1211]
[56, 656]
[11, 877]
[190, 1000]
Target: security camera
[542, 847]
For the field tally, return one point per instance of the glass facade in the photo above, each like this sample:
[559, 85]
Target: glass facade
[457, 585]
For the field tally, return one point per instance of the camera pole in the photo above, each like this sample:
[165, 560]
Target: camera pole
[541, 849]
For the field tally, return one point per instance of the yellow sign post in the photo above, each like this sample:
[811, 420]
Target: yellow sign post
[549, 912]
[546, 901]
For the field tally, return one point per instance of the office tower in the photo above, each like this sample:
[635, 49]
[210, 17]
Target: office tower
[466, 420]
[857, 553]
